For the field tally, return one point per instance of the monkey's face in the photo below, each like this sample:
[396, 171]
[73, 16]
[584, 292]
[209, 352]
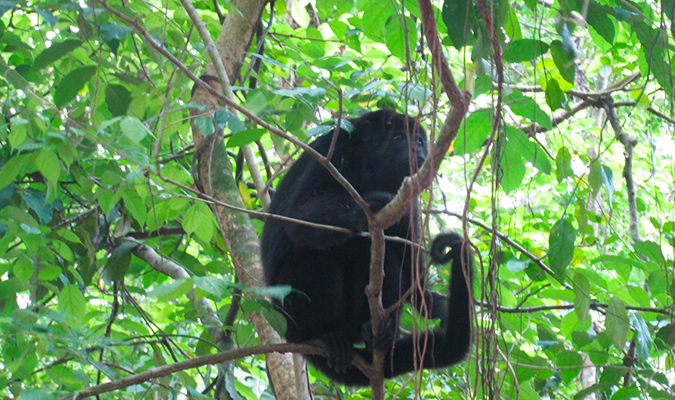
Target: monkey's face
[399, 152]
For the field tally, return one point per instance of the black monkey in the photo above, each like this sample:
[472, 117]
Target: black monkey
[329, 270]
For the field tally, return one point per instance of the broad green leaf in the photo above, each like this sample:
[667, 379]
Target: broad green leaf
[563, 61]
[555, 97]
[48, 164]
[136, 206]
[563, 162]
[198, 220]
[214, 286]
[561, 247]
[35, 200]
[72, 301]
[112, 34]
[526, 107]
[595, 177]
[473, 132]
[31, 393]
[566, 360]
[457, 21]
[374, 19]
[172, 291]
[616, 322]
[133, 129]
[528, 149]
[395, 36]
[71, 84]
[525, 50]
[23, 269]
[651, 250]
[49, 18]
[118, 262]
[117, 98]
[598, 17]
[11, 170]
[299, 13]
[582, 295]
[644, 338]
[205, 124]
[276, 320]
[54, 52]
[49, 273]
[608, 180]
[314, 48]
[512, 169]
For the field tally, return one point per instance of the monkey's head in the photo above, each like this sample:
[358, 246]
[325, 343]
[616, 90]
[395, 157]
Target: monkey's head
[394, 146]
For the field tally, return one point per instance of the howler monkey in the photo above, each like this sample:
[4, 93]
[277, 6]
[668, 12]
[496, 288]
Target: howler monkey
[329, 270]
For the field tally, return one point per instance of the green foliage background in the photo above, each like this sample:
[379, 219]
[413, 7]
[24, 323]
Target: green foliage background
[95, 146]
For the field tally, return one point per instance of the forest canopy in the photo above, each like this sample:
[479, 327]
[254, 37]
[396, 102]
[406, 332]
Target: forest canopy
[141, 142]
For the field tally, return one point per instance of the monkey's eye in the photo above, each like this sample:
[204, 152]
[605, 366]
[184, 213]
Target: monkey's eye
[399, 136]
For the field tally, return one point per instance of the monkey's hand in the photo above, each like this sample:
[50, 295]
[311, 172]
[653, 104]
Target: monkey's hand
[376, 201]
[386, 335]
[339, 350]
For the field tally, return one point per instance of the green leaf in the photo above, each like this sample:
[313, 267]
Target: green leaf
[563, 161]
[214, 286]
[198, 220]
[23, 269]
[11, 170]
[374, 19]
[526, 107]
[71, 84]
[54, 52]
[314, 48]
[456, 20]
[616, 322]
[35, 200]
[133, 129]
[112, 34]
[72, 301]
[118, 263]
[276, 320]
[172, 291]
[49, 18]
[205, 124]
[6, 6]
[555, 97]
[598, 18]
[644, 340]
[528, 149]
[395, 36]
[275, 292]
[270, 60]
[136, 206]
[245, 137]
[524, 50]
[473, 132]
[594, 177]
[567, 360]
[563, 61]
[512, 168]
[35, 394]
[651, 250]
[49, 273]
[608, 180]
[117, 98]
[582, 295]
[561, 247]
[48, 164]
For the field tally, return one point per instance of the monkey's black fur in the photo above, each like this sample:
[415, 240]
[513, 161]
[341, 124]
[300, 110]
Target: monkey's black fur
[329, 270]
